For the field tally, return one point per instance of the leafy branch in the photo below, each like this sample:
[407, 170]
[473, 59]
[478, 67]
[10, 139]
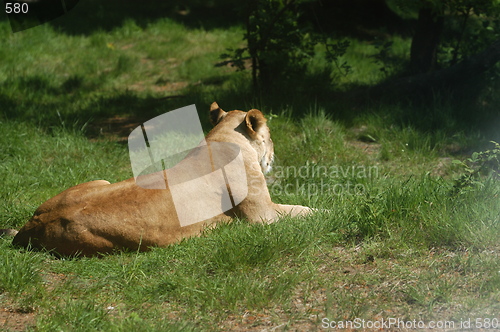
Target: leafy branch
[473, 167]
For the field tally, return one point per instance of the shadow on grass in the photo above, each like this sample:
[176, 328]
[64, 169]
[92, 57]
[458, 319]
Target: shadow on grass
[358, 19]
[90, 16]
[79, 104]
[82, 105]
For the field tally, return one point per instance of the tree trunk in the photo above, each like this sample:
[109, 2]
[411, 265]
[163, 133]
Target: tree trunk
[425, 42]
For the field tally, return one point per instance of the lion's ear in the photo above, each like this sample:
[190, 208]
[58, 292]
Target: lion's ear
[216, 113]
[255, 122]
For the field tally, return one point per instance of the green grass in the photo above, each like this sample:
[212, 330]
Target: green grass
[394, 242]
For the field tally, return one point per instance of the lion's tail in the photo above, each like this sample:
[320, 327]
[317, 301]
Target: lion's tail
[8, 232]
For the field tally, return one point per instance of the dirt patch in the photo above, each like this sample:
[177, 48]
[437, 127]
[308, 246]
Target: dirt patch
[116, 128]
[364, 142]
[370, 149]
[161, 87]
[442, 167]
[12, 320]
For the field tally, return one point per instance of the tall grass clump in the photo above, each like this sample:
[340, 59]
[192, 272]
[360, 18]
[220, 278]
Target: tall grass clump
[420, 210]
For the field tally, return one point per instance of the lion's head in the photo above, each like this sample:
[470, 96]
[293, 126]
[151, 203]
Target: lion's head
[253, 125]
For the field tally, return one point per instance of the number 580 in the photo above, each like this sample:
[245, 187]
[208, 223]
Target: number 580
[16, 8]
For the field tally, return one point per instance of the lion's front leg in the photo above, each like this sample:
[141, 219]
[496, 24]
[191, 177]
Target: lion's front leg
[292, 210]
[282, 210]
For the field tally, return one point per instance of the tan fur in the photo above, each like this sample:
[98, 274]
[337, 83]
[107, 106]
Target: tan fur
[7, 232]
[99, 217]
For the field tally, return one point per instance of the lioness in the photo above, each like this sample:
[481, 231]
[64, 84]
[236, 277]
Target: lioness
[99, 217]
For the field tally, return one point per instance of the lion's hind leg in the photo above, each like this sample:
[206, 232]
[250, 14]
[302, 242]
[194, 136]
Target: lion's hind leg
[95, 183]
